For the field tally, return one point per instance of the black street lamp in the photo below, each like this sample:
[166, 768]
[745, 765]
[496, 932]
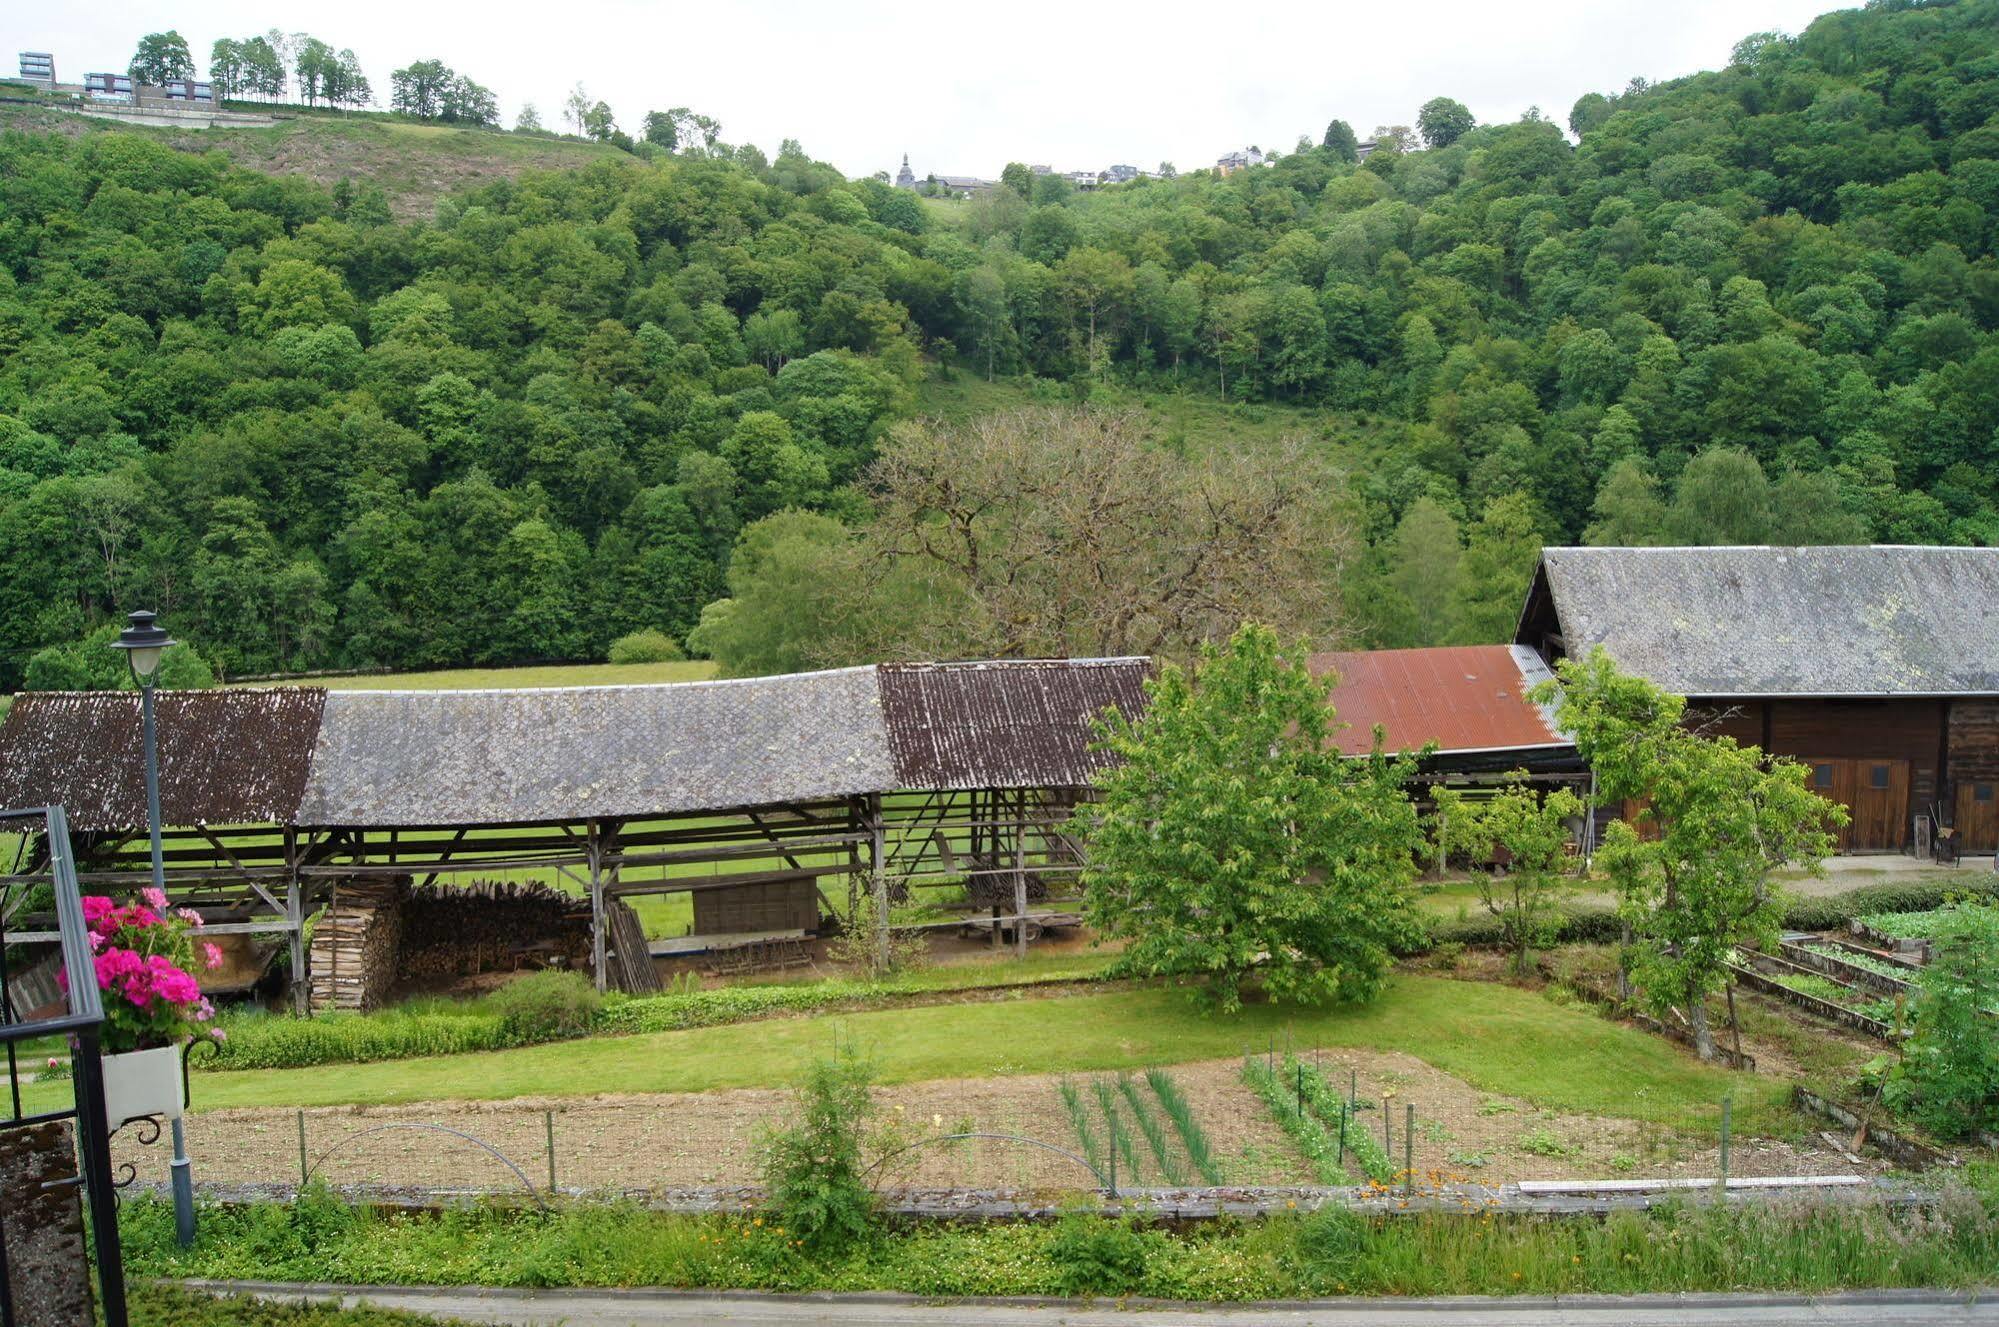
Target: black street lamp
[143, 640]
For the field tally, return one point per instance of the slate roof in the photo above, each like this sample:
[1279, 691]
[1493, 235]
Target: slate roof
[1008, 724]
[576, 753]
[1758, 621]
[1465, 698]
[309, 757]
[227, 757]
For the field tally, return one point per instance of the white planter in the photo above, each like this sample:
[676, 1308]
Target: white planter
[143, 1083]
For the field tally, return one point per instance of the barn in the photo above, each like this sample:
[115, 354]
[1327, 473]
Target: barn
[1878, 667]
[769, 805]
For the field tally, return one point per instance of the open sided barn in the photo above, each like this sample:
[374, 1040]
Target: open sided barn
[1876, 666]
[771, 801]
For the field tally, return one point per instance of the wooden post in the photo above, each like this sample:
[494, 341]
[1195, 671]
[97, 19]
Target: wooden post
[880, 880]
[596, 856]
[294, 916]
[1020, 878]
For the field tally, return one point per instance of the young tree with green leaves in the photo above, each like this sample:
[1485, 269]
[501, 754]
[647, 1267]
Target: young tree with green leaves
[1720, 818]
[1516, 841]
[1233, 844]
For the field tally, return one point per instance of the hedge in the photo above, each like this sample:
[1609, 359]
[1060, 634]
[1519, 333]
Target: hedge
[1582, 923]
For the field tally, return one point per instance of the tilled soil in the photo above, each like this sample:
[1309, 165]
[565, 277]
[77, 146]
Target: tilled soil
[711, 1138]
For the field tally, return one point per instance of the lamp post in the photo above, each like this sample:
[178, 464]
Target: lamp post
[144, 641]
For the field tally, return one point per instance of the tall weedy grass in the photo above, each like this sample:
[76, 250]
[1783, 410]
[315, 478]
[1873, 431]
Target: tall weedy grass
[1799, 1246]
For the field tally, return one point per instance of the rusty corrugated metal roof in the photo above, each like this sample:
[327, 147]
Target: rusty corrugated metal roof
[1005, 724]
[1462, 697]
[229, 756]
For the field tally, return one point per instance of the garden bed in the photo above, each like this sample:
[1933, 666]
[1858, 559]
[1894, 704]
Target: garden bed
[691, 1140]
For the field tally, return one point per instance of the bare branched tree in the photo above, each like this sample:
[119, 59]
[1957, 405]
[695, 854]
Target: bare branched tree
[1067, 532]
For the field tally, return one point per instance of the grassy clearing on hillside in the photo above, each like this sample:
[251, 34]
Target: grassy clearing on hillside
[1190, 418]
[1497, 1038]
[414, 164]
[544, 675]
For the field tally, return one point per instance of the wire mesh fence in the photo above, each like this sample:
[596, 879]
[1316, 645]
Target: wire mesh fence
[1275, 1116]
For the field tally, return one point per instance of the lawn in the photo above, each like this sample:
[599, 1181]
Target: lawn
[547, 675]
[1497, 1038]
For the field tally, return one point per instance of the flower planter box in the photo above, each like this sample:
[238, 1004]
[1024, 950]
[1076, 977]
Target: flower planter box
[140, 1083]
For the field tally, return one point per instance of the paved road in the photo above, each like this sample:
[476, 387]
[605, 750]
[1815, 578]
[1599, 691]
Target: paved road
[657, 1308]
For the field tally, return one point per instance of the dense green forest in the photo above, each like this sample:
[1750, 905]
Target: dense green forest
[1755, 304]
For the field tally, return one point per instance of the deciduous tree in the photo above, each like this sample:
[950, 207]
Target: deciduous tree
[1233, 845]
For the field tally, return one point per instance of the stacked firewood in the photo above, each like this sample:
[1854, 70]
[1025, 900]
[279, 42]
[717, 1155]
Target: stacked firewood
[492, 926]
[355, 943]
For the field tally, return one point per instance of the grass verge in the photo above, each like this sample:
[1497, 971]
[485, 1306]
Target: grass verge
[1794, 1246]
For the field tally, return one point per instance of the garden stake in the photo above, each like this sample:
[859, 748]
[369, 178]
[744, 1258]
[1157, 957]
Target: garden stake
[1301, 1091]
[1726, 1104]
[302, 1172]
[548, 1123]
[1353, 1089]
[1409, 1150]
[1342, 1158]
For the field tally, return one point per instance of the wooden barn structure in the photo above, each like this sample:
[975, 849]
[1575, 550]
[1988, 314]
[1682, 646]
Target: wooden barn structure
[771, 803]
[1878, 667]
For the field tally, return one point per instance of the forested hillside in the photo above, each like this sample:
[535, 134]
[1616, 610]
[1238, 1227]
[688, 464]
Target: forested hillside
[1759, 303]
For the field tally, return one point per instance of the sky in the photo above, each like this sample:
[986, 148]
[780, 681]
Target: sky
[964, 89]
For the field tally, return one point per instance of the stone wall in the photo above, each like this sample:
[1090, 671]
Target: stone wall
[46, 1264]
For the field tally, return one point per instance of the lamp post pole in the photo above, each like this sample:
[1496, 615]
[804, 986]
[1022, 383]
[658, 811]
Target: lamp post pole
[144, 641]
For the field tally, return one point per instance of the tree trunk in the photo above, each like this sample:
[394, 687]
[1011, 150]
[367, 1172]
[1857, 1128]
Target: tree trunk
[1703, 1037]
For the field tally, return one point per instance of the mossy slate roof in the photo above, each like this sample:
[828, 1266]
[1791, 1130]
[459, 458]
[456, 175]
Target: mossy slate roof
[1763, 621]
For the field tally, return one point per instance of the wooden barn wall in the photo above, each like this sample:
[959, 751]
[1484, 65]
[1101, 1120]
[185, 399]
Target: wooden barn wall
[1974, 739]
[1910, 730]
[1741, 720]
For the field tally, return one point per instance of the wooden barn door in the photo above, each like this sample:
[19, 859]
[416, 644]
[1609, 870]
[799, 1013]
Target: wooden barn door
[1876, 796]
[1977, 818]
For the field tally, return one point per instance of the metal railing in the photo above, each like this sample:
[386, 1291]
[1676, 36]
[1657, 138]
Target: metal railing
[81, 1019]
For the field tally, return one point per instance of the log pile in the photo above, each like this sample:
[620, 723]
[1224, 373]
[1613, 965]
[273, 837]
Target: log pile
[492, 926]
[355, 945]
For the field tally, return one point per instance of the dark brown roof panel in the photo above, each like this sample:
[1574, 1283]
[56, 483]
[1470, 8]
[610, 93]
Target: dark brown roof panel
[1005, 724]
[227, 757]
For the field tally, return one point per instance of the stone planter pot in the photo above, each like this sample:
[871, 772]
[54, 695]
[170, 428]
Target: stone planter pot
[143, 1083]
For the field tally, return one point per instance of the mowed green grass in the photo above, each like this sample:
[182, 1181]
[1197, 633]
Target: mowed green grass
[1497, 1038]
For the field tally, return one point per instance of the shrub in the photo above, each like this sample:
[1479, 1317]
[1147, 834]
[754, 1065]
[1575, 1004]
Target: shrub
[1949, 1075]
[546, 1006]
[644, 647]
[1092, 1256]
[813, 1169]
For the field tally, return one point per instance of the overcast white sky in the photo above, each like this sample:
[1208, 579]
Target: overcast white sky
[965, 89]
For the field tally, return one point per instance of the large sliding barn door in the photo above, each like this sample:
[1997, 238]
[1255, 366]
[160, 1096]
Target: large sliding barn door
[1876, 796]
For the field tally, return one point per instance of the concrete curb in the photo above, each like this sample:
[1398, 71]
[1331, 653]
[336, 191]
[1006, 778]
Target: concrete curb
[1442, 1305]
